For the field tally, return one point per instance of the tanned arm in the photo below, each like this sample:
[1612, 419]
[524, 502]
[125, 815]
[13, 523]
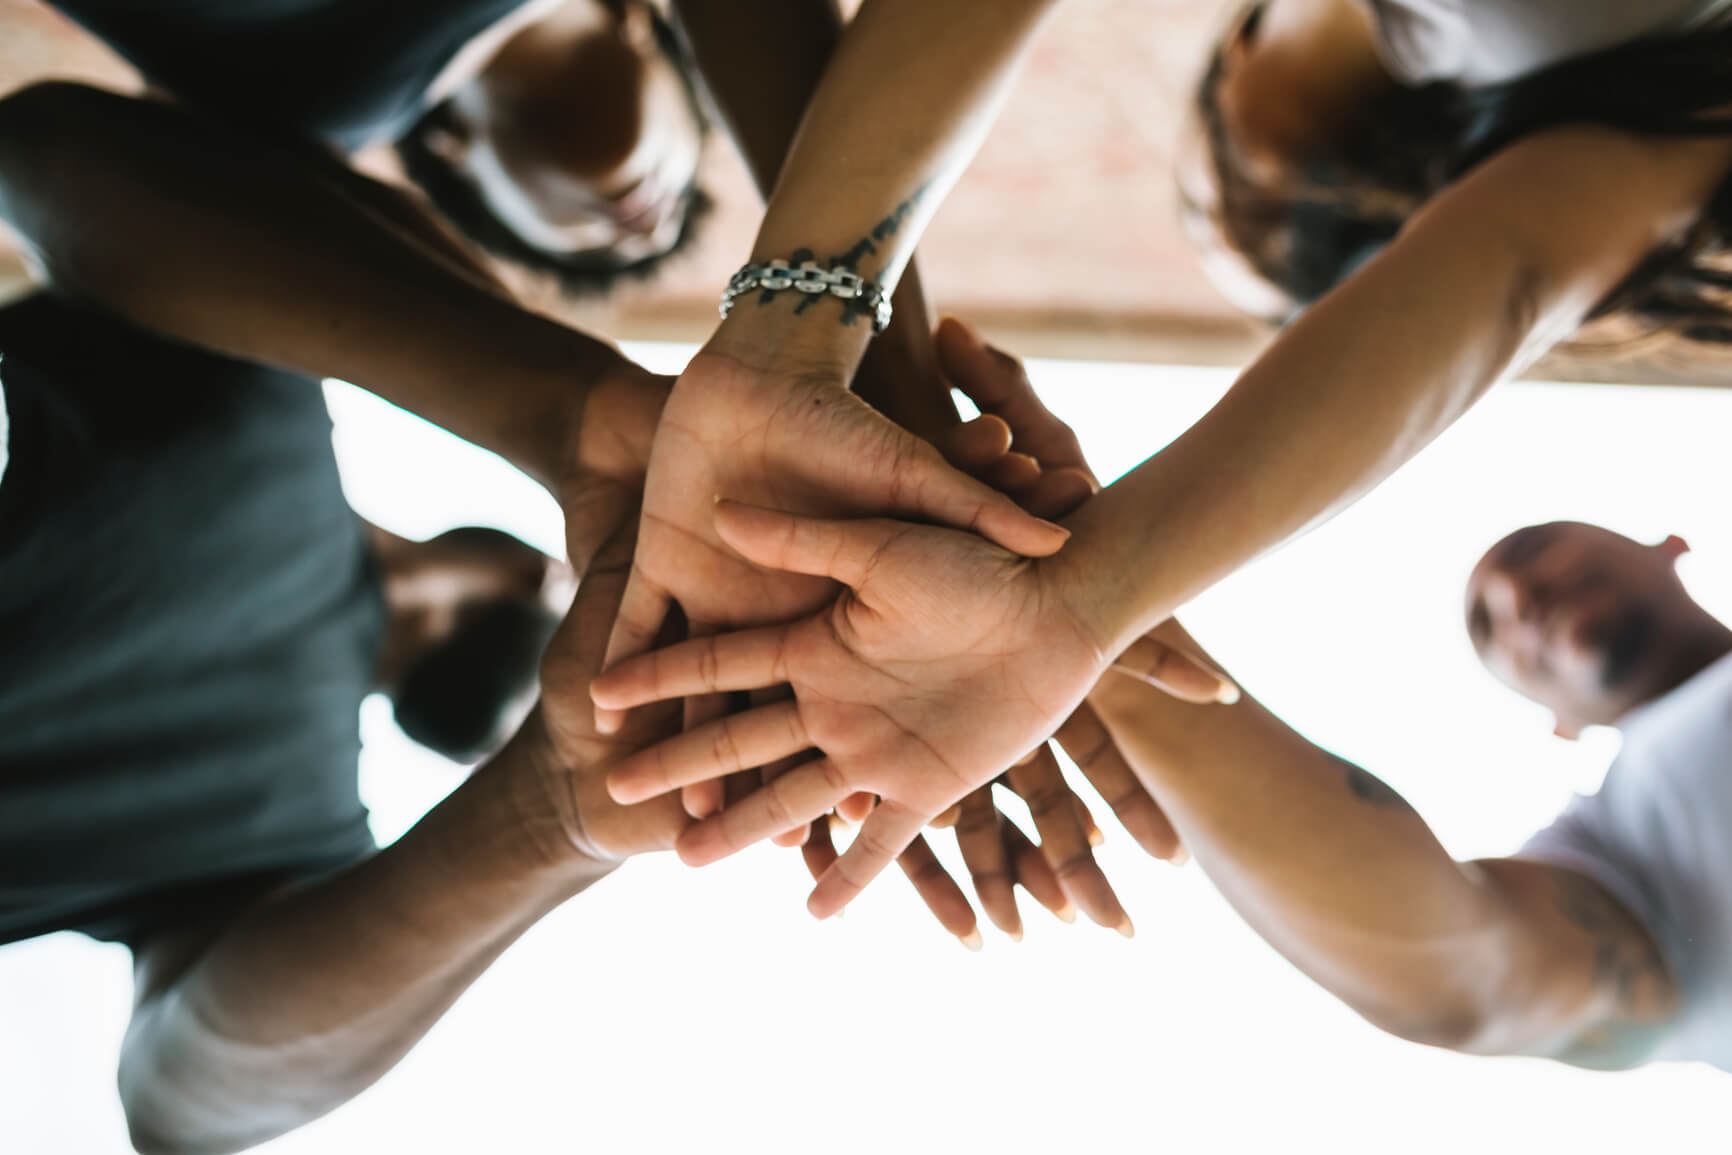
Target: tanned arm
[1339, 874]
[761, 61]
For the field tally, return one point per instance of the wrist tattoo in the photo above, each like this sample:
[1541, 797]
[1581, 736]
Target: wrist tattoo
[866, 246]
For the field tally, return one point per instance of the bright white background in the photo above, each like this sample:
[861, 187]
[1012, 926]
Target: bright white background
[670, 1009]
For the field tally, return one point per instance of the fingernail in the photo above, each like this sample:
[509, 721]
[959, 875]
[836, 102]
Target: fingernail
[1015, 935]
[968, 331]
[1053, 525]
[971, 940]
[1096, 837]
[1066, 913]
[1180, 857]
[1125, 928]
[1227, 694]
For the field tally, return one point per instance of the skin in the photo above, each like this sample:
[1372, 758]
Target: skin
[616, 186]
[1337, 872]
[1488, 275]
[1588, 623]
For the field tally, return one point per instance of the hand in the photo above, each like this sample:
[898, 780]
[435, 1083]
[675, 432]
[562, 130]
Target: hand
[571, 779]
[607, 456]
[947, 660]
[799, 442]
[999, 387]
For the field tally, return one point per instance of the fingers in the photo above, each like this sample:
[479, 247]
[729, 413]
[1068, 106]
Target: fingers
[998, 384]
[939, 892]
[1179, 674]
[980, 837]
[1057, 493]
[642, 610]
[882, 837]
[736, 742]
[974, 445]
[1064, 840]
[857, 807]
[1091, 746]
[747, 660]
[796, 798]
[702, 799]
[937, 493]
[843, 550]
[1034, 873]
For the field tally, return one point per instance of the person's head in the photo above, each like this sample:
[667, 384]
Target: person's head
[1587, 622]
[466, 626]
[575, 151]
[1304, 156]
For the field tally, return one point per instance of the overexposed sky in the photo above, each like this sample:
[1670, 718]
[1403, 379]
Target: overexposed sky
[629, 1021]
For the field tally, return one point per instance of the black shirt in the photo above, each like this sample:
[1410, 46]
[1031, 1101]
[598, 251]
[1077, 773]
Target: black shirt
[189, 620]
[350, 72]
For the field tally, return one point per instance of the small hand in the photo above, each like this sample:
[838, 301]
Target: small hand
[795, 441]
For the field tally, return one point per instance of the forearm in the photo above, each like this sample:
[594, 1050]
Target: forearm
[305, 1001]
[1488, 276]
[1346, 395]
[761, 61]
[205, 237]
[907, 98]
[1323, 860]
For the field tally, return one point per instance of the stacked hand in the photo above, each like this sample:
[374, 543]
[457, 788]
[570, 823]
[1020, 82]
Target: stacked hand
[945, 661]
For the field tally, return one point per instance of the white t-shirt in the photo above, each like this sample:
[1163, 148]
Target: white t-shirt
[1481, 42]
[1658, 835]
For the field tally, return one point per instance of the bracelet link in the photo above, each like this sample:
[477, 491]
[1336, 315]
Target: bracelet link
[812, 279]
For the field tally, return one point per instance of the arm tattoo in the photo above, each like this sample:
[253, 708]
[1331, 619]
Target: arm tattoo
[1626, 965]
[1367, 787]
[866, 246]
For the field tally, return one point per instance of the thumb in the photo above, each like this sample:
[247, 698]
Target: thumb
[844, 550]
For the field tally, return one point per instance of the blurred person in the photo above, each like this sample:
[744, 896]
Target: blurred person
[1606, 940]
[562, 135]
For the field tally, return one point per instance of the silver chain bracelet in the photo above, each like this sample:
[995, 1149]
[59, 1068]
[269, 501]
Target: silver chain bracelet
[810, 277]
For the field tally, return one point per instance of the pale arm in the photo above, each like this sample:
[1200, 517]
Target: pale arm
[1496, 270]
[1345, 879]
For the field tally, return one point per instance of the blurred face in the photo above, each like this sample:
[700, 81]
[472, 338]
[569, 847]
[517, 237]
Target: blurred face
[1290, 74]
[1580, 619]
[583, 136]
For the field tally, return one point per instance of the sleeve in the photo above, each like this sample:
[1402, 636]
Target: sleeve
[1595, 836]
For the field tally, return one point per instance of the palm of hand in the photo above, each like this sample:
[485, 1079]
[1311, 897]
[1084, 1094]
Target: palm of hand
[947, 661]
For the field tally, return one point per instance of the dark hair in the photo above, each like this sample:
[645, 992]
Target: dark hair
[1401, 151]
[454, 699]
[457, 198]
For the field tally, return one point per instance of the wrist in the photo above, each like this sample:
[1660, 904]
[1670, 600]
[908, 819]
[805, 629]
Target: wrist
[535, 816]
[792, 334]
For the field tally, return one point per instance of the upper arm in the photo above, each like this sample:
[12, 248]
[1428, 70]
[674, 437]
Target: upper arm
[1585, 982]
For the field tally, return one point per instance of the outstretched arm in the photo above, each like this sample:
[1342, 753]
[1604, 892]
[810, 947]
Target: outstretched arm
[246, 1030]
[1346, 880]
[1497, 269]
[192, 231]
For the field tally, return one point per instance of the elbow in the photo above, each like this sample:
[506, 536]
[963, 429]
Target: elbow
[1447, 1026]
